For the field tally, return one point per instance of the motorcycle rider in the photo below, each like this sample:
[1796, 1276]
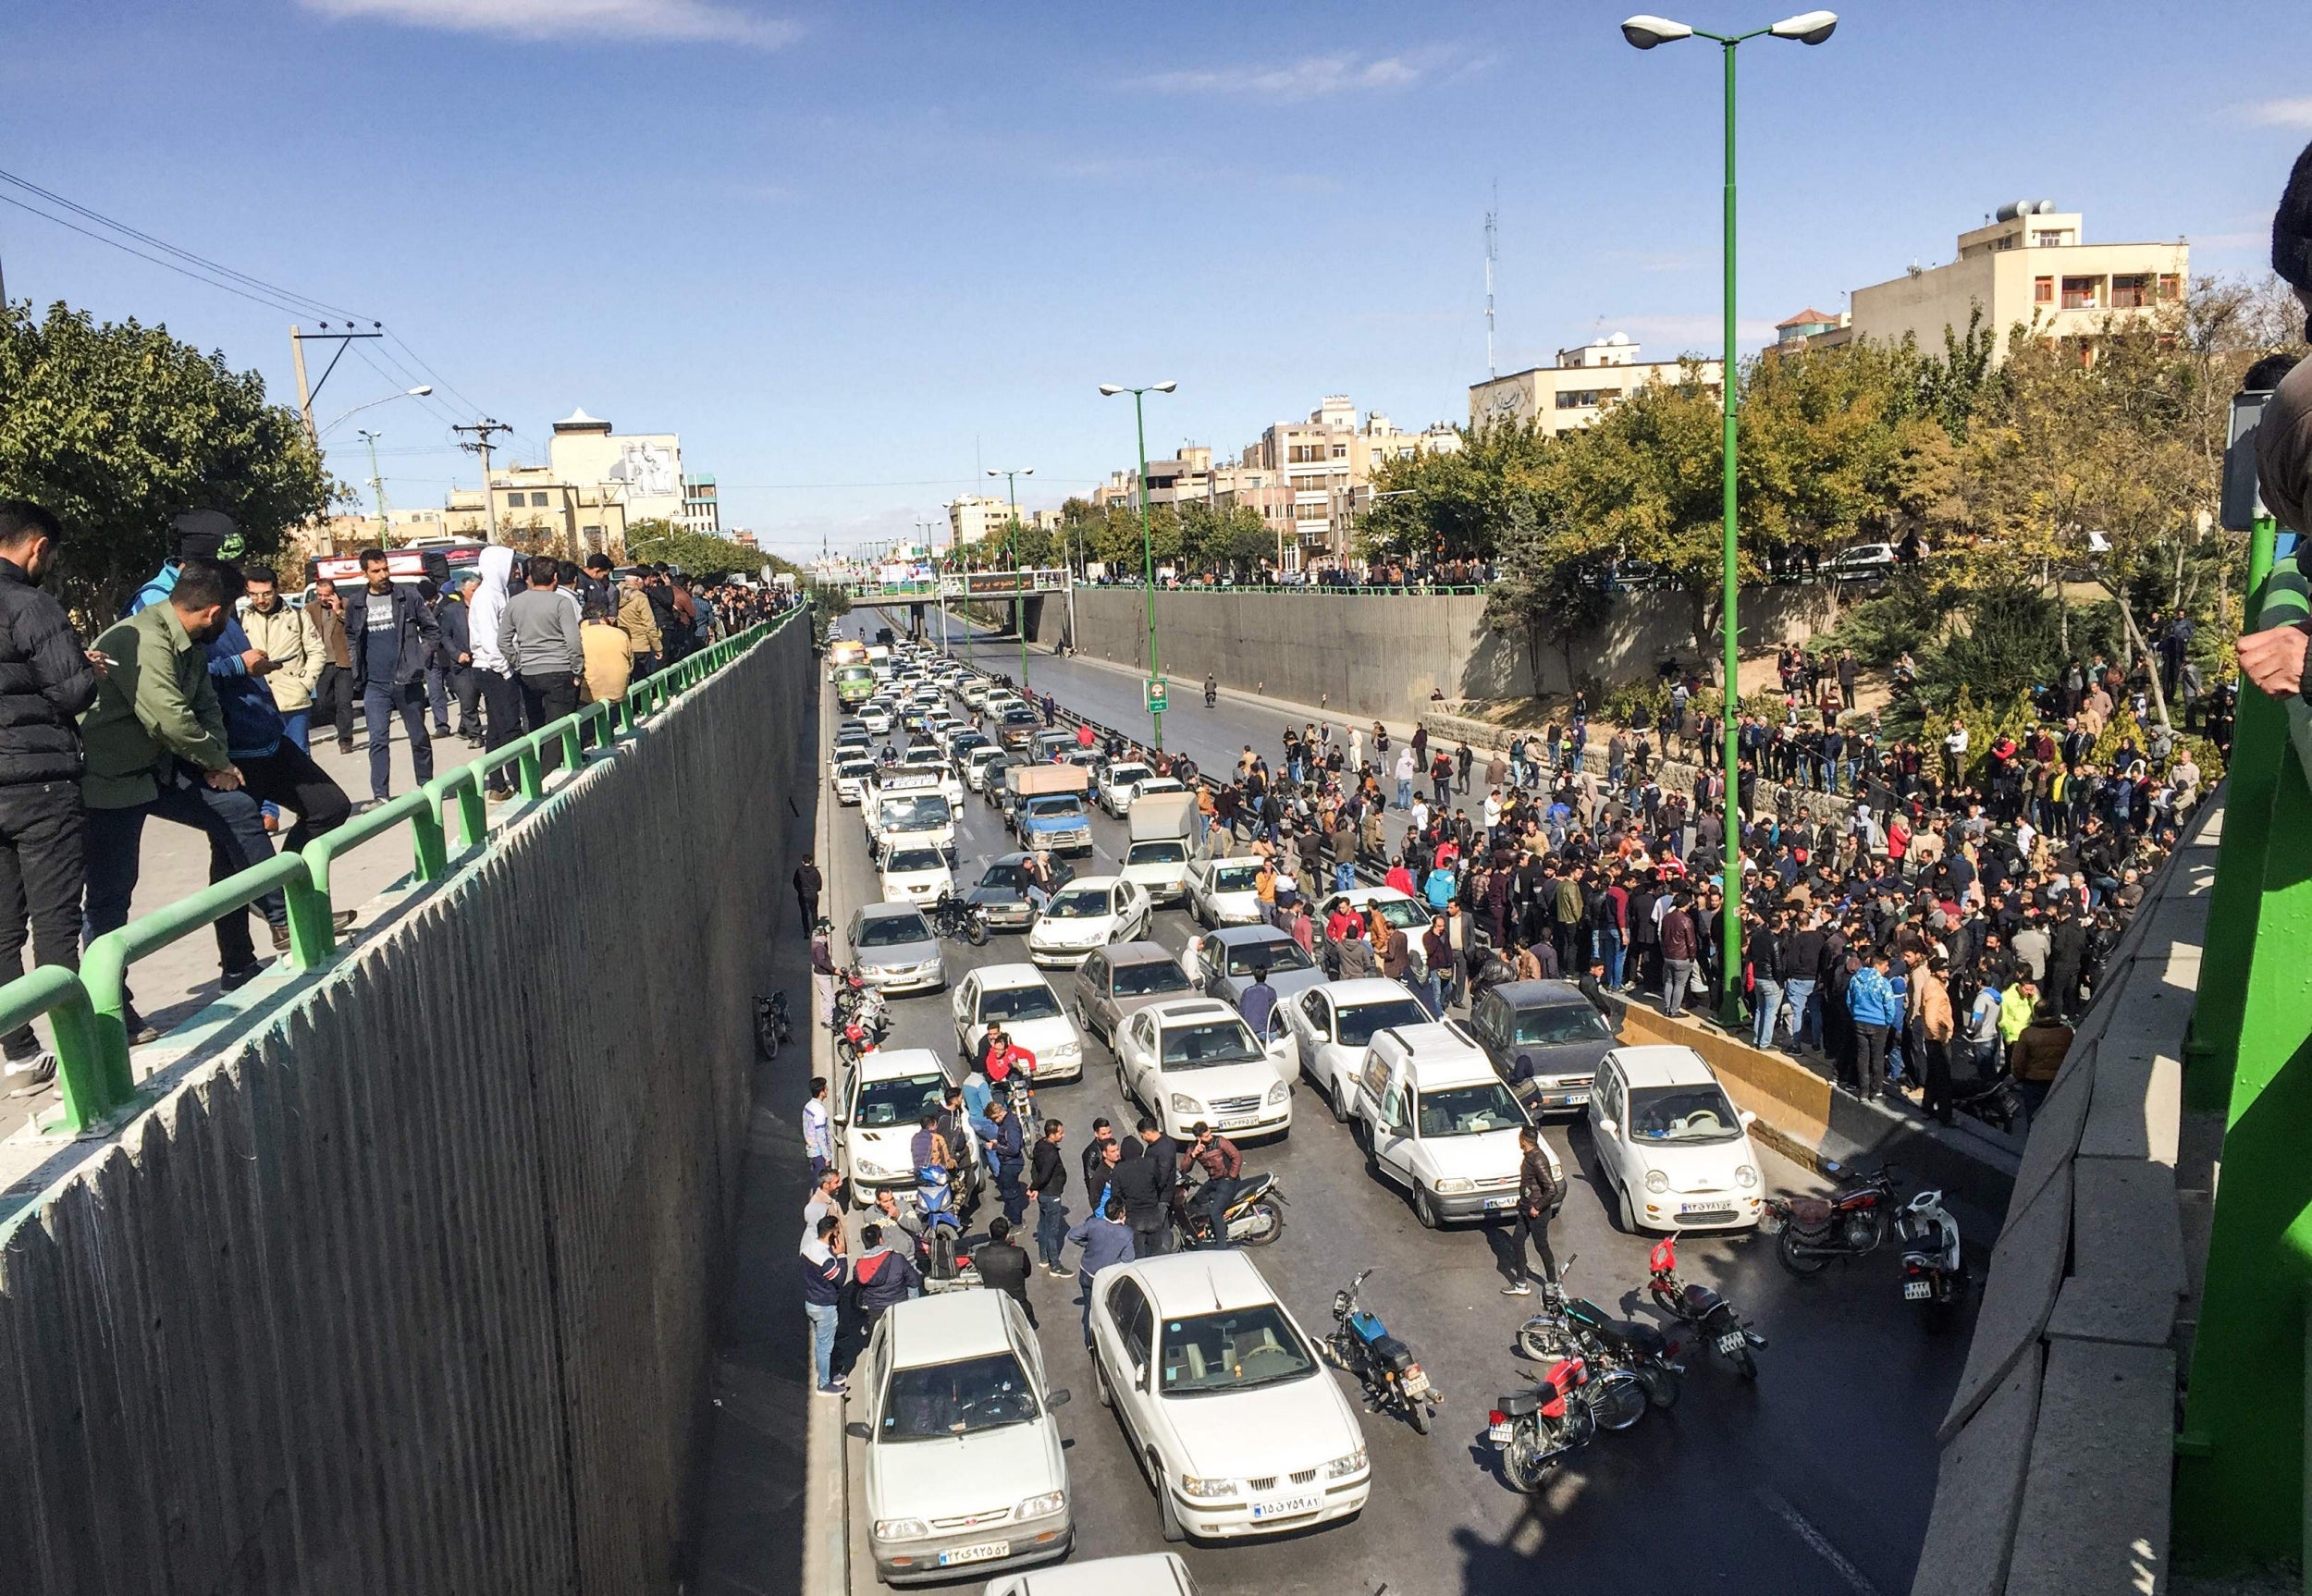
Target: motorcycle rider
[1539, 1194]
[1223, 1172]
[1212, 690]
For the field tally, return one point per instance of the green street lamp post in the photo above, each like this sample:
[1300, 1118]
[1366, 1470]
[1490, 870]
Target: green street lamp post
[1019, 601]
[1645, 32]
[1148, 553]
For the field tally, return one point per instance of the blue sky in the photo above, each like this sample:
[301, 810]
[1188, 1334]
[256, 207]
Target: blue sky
[855, 252]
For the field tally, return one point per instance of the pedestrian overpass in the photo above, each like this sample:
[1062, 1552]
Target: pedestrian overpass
[953, 586]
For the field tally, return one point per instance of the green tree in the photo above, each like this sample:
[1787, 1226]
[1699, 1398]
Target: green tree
[1549, 589]
[119, 428]
[657, 541]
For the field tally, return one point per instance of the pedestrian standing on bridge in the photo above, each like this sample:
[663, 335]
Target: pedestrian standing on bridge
[538, 636]
[639, 623]
[47, 678]
[807, 883]
[390, 634]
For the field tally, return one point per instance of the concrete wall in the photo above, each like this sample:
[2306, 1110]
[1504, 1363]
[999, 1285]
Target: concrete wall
[410, 1292]
[2058, 1464]
[1381, 654]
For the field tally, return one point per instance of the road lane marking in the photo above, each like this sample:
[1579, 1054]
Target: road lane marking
[1820, 1542]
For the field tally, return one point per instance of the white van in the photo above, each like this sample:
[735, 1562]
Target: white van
[1440, 1123]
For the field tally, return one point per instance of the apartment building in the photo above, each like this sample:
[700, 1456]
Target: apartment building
[702, 512]
[975, 517]
[1587, 381]
[2029, 266]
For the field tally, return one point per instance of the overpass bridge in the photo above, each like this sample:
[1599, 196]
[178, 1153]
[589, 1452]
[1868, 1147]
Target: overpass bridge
[953, 586]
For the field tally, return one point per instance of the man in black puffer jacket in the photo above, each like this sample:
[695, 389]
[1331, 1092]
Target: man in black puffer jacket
[47, 680]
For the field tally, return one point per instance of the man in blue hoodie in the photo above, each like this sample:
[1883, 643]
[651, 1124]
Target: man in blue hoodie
[1871, 999]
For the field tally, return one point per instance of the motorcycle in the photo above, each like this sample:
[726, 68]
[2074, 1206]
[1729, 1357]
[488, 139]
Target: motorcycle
[1721, 1328]
[954, 918]
[1851, 1222]
[1253, 1215]
[1573, 1327]
[1538, 1428]
[946, 1263]
[773, 1026]
[1933, 1269]
[1385, 1365]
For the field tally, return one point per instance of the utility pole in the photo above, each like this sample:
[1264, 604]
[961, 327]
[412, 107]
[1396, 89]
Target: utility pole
[344, 339]
[1019, 589]
[480, 445]
[377, 488]
[1493, 252]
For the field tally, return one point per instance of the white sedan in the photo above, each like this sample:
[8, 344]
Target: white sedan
[852, 777]
[1194, 1058]
[1018, 997]
[1333, 1025]
[1089, 913]
[1221, 892]
[1671, 1145]
[1120, 784]
[1223, 1399]
[964, 1466]
[916, 876]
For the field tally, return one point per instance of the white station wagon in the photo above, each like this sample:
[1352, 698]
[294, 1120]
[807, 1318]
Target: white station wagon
[1223, 1399]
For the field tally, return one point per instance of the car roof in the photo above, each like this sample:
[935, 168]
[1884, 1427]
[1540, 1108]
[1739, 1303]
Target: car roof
[1139, 953]
[945, 1326]
[1092, 880]
[1664, 1064]
[893, 1063]
[1526, 994]
[1364, 989]
[1204, 1282]
[1437, 1050]
[1187, 1010]
[1012, 975]
[888, 911]
[1238, 936]
[1363, 895]
[1149, 1573]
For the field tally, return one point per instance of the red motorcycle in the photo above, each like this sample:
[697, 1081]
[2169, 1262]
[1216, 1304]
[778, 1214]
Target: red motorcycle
[1720, 1327]
[1853, 1222]
[1537, 1429]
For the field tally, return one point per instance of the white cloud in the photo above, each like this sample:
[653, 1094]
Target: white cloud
[1311, 78]
[638, 21]
[1667, 336]
[2295, 113]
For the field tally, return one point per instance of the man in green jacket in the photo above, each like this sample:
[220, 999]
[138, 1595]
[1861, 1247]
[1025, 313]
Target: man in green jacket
[154, 743]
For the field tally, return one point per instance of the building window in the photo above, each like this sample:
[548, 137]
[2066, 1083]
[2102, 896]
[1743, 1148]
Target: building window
[2047, 241]
[2081, 293]
[1577, 399]
[2130, 293]
[2043, 291]
[2170, 286]
[1340, 452]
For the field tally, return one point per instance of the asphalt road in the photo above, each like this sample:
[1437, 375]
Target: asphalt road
[1814, 1482]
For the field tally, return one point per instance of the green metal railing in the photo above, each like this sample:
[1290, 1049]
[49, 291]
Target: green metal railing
[89, 1011]
[2243, 1469]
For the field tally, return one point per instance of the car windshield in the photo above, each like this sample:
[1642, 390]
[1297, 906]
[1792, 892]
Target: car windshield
[1561, 1022]
[1078, 903]
[1148, 979]
[892, 931]
[1697, 1113]
[1236, 877]
[1235, 1350]
[1125, 775]
[1034, 1002]
[924, 811]
[1469, 1110]
[1281, 954]
[1356, 1023]
[1157, 853]
[1060, 806]
[855, 769]
[927, 758]
[1212, 1042]
[905, 859]
[1399, 914]
[961, 1398]
[1002, 876]
[901, 1102]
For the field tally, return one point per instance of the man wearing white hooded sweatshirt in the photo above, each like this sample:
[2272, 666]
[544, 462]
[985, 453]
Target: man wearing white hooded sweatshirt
[501, 694]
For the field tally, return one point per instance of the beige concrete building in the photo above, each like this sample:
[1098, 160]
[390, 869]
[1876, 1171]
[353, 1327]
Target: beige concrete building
[534, 511]
[975, 517]
[1585, 383]
[643, 469]
[2029, 268]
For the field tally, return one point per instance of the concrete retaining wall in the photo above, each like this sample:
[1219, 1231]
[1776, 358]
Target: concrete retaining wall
[1381, 654]
[411, 1293]
[2057, 1471]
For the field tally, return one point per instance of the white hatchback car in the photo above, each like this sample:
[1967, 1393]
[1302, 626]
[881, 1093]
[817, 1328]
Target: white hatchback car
[1223, 1399]
[1333, 1025]
[1088, 913]
[1018, 997]
[879, 1111]
[915, 875]
[1221, 891]
[1191, 1059]
[1671, 1144]
[964, 1463]
[1120, 783]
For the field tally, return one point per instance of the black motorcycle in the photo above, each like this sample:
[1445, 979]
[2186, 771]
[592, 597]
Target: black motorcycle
[1573, 1327]
[954, 918]
[1852, 1221]
[773, 1026]
[1386, 1367]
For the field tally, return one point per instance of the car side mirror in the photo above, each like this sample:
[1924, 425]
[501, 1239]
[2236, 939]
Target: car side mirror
[1058, 1397]
[858, 1431]
[1608, 1128]
[1748, 1119]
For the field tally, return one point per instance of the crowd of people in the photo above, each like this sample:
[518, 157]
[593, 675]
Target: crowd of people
[196, 707]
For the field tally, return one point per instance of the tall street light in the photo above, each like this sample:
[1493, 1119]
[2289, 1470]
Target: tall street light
[1019, 601]
[1148, 551]
[1645, 32]
[418, 392]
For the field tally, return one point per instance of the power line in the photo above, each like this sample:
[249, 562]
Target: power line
[169, 265]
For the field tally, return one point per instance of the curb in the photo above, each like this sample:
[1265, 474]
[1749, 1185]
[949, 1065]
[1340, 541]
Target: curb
[827, 1472]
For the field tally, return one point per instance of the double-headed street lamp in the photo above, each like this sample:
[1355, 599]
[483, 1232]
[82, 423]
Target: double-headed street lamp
[1148, 551]
[1645, 32]
[1019, 603]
